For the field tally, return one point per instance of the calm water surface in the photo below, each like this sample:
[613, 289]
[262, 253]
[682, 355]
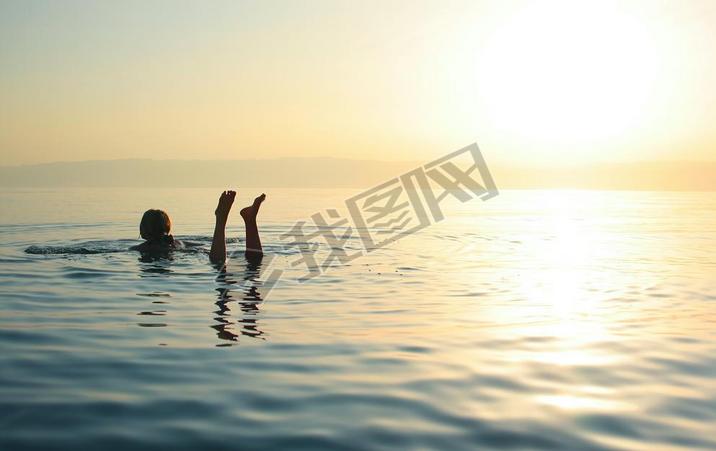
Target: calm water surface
[535, 320]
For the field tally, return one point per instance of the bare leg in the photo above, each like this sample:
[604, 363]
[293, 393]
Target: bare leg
[218, 244]
[253, 241]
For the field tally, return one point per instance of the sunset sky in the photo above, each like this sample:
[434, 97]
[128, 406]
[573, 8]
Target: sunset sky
[533, 82]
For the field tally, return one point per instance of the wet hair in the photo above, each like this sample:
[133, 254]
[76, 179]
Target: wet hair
[155, 226]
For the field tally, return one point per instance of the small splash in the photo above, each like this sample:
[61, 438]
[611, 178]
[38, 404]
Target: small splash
[194, 244]
[66, 250]
[83, 248]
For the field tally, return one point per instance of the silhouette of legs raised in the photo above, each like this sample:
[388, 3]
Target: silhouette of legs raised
[253, 241]
[218, 244]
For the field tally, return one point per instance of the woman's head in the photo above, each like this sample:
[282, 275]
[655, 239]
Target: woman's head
[155, 225]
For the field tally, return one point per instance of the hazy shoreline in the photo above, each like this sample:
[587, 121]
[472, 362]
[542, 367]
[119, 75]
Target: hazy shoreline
[347, 173]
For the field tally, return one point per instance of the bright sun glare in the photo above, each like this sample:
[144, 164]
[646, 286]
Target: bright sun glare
[569, 74]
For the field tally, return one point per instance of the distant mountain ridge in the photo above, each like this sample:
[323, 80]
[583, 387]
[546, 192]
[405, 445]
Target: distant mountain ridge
[346, 173]
[281, 172]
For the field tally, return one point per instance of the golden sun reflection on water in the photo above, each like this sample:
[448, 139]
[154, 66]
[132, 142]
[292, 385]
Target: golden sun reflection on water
[563, 312]
[571, 402]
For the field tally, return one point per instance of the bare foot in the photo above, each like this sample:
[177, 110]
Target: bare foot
[225, 202]
[249, 213]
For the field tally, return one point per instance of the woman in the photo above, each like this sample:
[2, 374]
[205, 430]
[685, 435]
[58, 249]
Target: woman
[155, 228]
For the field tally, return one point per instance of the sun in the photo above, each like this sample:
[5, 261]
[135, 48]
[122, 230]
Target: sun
[567, 74]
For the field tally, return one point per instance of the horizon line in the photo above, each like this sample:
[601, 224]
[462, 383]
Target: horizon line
[541, 166]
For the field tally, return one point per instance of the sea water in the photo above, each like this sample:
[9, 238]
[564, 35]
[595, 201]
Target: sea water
[534, 320]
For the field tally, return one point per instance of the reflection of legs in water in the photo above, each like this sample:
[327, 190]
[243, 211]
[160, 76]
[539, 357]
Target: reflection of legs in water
[223, 326]
[253, 241]
[251, 276]
[249, 299]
